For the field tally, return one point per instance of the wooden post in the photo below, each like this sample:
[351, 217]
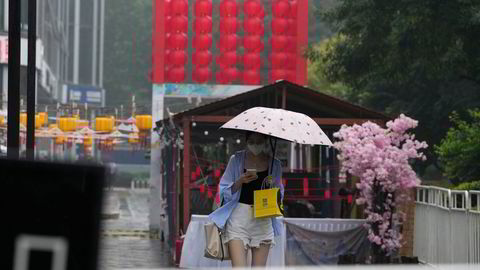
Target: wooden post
[186, 172]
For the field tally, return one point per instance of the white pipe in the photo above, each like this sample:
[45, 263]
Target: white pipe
[102, 32]
[76, 41]
[94, 41]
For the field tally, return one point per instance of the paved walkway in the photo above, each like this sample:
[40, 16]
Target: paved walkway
[127, 212]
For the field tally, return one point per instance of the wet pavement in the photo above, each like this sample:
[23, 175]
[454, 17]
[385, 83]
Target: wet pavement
[126, 241]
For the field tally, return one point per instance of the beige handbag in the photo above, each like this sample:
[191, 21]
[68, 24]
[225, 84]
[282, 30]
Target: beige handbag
[215, 248]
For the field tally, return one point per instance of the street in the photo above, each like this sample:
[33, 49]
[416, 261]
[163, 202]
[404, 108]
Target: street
[126, 241]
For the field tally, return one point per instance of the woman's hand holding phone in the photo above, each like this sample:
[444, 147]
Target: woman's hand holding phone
[249, 176]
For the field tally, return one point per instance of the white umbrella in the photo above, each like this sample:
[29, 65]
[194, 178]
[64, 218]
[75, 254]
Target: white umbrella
[279, 123]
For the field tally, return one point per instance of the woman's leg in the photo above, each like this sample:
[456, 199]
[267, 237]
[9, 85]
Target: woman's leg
[238, 253]
[260, 255]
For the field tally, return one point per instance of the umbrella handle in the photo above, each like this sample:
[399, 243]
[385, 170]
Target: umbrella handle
[274, 147]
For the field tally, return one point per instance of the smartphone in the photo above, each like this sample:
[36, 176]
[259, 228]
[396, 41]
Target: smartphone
[253, 171]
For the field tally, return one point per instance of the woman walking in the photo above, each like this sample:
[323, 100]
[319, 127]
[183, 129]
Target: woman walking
[244, 174]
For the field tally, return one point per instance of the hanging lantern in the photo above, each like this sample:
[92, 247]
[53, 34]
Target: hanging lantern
[221, 78]
[252, 60]
[228, 59]
[203, 25]
[202, 58]
[59, 140]
[281, 8]
[23, 119]
[202, 188]
[87, 141]
[38, 122]
[293, 9]
[202, 42]
[252, 8]
[167, 7]
[228, 43]
[278, 74]
[209, 193]
[144, 122]
[253, 26]
[291, 61]
[2, 121]
[228, 26]
[177, 58]
[279, 43]
[232, 73]
[203, 8]
[251, 77]
[253, 43]
[103, 124]
[177, 41]
[178, 24]
[216, 173]
[278, 60]
[43, 118]
[292, 27]
[202, 75]
[176, 74]
[67, 124]
[279, 26]
[228, 8]
[179, 7]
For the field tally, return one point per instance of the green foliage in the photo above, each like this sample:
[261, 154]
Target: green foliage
[128, 50]
[421, 58]
[475, 185]
[459, 151]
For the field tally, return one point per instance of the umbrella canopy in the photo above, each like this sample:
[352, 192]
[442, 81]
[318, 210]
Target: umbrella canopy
[279, 123]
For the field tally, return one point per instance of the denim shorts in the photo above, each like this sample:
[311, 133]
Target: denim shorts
[242, 225]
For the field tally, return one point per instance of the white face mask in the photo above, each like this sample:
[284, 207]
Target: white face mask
[256, 149]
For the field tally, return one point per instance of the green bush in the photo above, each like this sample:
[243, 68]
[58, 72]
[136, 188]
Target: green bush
[469, 186]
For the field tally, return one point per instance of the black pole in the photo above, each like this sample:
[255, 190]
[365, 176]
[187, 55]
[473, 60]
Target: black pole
[13, 133]
[31, 85]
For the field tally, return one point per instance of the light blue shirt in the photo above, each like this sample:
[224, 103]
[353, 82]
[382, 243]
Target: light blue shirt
[234, 170]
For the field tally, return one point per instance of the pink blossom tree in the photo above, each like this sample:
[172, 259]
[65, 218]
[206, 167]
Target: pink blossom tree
[380, 158]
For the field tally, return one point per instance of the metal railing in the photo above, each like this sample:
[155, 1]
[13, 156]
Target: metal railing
[447, 225]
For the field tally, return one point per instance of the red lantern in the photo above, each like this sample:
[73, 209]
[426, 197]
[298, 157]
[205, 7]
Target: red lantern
[217, 173]
[177, 58]
[178, 24]
[176, 74]
[203, 25]
[279, 43]
[221, 78]
[177, 41]
[228, 8]
[278, 60]
[227, 43]
[293, 9]
[292, 27]
[202, 75]
[228, 26]
[281, 8]
[232, 73]
[202, 42]
[278, 74]
[253, 26]
[251, 77]
[228, 59]
[252, 8]
[179, 7]
[209, 193]
[291, 61]
[291, 76]
[202, 58]
[253, 43]
[202, 188]
[203, 8]
[167, 7]
[252, 61]
[279, 26]
[194, 176]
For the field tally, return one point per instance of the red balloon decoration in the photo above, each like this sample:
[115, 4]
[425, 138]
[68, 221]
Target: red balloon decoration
[253, 26]
[228, 43]
[202, 42]
[176, 74]
[279, 43]
[178, 24]
[228, 25]
[202, 75]
[228, 8]
[202, 58]
[179, 7]
[252, 8]
[177, 58]
[251, 77]
[203, 25]
[253, 43]
[252, 61]
[281, 8]
[203, 8]
[177, 41]
[279, 26]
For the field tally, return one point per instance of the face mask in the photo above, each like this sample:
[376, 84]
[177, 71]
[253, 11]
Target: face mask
[256, 149]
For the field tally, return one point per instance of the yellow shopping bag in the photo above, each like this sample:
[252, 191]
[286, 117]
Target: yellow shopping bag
[267, 203]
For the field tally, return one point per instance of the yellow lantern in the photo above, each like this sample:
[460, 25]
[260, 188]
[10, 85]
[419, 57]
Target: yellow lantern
[104, 124]
[59, 140]
[2, 120]
[144, 122]
[43, 118]
[87, 141]
[67, 124]
[23, 119]
[38, 122]
[81, 124]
